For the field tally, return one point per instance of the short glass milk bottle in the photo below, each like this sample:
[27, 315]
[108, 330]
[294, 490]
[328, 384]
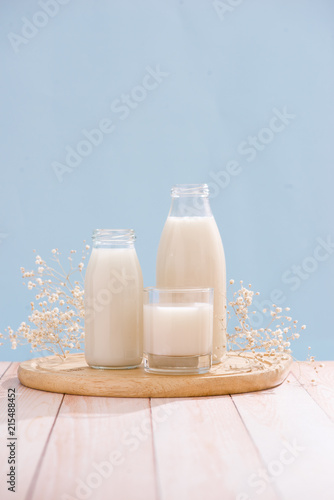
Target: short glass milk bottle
[191, 254]
[113, 301]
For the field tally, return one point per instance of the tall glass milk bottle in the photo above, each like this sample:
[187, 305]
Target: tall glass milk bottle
[113, 301]
[191, 253]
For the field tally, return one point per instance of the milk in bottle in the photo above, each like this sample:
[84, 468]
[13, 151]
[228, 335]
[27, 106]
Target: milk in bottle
[113, 301]
[191, 253]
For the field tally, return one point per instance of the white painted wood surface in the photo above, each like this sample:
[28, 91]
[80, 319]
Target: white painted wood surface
[270, 445]
[318, 382]
[203, 450]
[295, 439]
[36, 412]
[102, 448]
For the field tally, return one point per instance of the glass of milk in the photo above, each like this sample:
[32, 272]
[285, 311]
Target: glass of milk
[113, 301]
[178, 330]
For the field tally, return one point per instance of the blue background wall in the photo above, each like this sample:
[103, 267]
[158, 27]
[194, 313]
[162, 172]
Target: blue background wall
[229, 68]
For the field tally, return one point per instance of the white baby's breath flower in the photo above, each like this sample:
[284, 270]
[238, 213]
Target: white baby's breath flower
[262, 341]
[49, 328]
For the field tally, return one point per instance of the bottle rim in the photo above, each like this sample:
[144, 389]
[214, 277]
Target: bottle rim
[114, 235]
[188, 190]
[178, 290]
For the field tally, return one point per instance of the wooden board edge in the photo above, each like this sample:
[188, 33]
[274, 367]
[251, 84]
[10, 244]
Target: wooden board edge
[200, 387]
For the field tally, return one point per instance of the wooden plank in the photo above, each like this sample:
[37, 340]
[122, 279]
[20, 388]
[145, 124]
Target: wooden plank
[99, 448]
[4, 365]
[203, 450]
[35, 414]
[295, 439]
[322, 389]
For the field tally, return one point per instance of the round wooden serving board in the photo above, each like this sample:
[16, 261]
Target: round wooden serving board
[73, 376]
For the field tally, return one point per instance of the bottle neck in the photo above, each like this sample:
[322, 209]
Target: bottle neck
[113, 238]
[190, 200]
[190, 206]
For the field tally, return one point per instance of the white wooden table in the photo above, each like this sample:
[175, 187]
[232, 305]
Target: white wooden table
[276, 444]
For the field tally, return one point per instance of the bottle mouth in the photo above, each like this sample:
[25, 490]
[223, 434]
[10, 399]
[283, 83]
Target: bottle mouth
[178, 290]
[114, 236]
[184, 190]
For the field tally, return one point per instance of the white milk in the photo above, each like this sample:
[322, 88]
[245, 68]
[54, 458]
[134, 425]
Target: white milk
[113, 308]
[191, 254]
[178, 329]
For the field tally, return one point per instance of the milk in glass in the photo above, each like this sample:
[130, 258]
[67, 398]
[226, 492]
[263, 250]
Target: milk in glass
[178, 329]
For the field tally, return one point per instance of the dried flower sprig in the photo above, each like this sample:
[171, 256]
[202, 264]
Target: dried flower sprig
[56, 319]
[270, 344]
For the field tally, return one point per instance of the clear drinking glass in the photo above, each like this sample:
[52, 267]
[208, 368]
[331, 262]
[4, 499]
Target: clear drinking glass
[178, 330]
